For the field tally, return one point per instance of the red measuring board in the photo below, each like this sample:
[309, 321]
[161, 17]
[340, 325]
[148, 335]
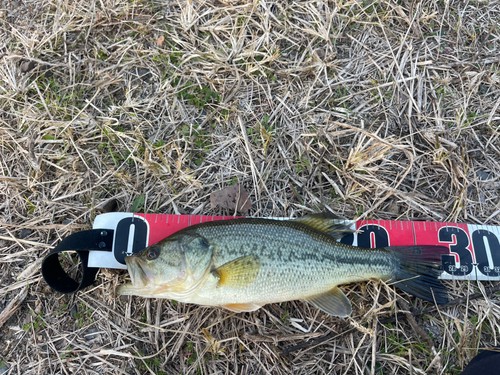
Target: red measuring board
[474, 249]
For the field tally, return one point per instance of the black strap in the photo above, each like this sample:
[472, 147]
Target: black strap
[82, 243]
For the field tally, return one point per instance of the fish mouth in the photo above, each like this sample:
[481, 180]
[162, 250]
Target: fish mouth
[140, 277]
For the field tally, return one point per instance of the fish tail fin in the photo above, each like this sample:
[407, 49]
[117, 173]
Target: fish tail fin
[418, 271]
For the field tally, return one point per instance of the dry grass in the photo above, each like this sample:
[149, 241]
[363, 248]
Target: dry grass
[369, 109]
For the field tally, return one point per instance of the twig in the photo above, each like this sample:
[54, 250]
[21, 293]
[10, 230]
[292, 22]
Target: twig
[414, 323]
[250, 158]
[13, 305]
[430, 309]
[33, 243]
[316, 342]
[44, 227]
[274, 339]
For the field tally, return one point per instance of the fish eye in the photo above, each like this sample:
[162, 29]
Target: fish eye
[153, 253]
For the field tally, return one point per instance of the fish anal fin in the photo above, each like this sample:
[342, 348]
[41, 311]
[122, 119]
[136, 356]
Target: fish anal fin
[334, 302]
[328, 223]
[239, 273]
[240, 307]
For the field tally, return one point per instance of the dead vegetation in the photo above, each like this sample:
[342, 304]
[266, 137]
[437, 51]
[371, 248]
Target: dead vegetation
[385, 110]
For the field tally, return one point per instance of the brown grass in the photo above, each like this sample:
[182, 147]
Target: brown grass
[379, 110]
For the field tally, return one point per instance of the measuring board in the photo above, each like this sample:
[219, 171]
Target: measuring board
[474, 249]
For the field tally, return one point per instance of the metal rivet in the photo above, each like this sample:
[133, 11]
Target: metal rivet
[104, 233]
[102, 245]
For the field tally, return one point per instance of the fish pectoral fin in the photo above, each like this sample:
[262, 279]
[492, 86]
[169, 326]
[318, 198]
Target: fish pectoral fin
[328, 223]
[333, 302]
[240, 272]
[240, 307]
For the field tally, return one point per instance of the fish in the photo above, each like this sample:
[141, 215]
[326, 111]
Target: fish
[244, 264]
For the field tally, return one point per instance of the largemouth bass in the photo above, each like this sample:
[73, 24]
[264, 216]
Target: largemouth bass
[243, 264]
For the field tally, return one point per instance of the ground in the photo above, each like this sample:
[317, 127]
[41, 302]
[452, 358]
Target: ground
[370, 110]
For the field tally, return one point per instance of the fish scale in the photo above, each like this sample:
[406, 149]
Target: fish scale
[295, 263]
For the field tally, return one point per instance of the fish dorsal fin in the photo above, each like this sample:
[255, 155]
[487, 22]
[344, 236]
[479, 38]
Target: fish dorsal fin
[333, 302]
[326, 222]
[240, 272]
[239, 307]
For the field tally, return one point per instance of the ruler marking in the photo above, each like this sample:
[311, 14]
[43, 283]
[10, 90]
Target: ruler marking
[488, 251]
[130, 242]
[474, 264]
